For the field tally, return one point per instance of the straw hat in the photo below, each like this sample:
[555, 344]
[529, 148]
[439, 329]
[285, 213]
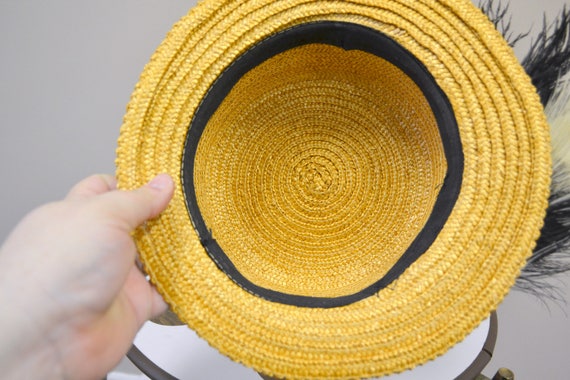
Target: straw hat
[359, 183]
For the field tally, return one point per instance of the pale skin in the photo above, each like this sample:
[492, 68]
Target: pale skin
[72, 297]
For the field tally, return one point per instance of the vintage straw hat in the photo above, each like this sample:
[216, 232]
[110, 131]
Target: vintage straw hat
[358, 183]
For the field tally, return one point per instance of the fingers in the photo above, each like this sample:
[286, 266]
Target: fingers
[143, 297]
[130, 207]
[93, 185]
[137, 206]
[158, 305]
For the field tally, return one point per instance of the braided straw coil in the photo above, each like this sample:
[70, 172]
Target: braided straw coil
[318, 169]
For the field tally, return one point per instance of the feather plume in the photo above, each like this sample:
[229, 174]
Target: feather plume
[549, 57]
[548, 65]
[552, 253]
[498, 13]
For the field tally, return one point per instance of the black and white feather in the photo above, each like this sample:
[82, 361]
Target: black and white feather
[549, 57]
[548, 65]
[552, 253]
[498, 13]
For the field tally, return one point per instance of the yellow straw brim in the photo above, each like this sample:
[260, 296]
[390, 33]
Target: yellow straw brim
[444, 294]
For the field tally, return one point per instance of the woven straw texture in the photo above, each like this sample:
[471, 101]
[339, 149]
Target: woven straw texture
[325, 176]
[319, 185]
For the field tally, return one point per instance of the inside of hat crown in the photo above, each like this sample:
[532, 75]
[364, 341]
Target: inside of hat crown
[318, 170]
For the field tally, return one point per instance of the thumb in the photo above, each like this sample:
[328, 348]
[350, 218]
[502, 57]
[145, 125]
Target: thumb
[134, 207]
[92, 186]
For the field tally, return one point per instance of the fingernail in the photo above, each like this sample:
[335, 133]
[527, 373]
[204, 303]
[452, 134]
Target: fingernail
[160, 182]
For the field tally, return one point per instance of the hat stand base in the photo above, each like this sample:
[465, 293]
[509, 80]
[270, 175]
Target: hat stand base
[502, 374]
[165, 352]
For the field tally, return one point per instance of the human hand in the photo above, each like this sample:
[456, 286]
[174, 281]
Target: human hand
[72, 297]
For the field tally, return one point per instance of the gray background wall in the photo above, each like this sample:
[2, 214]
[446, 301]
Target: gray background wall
[67, 69]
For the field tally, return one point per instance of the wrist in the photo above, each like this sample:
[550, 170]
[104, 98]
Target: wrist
[27, 350]
[24, 353]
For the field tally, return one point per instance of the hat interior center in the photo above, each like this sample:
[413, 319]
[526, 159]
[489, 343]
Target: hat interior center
[321, 165]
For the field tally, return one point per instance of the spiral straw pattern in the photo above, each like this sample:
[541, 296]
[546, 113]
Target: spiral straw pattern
[316, 189]
[325, 176]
